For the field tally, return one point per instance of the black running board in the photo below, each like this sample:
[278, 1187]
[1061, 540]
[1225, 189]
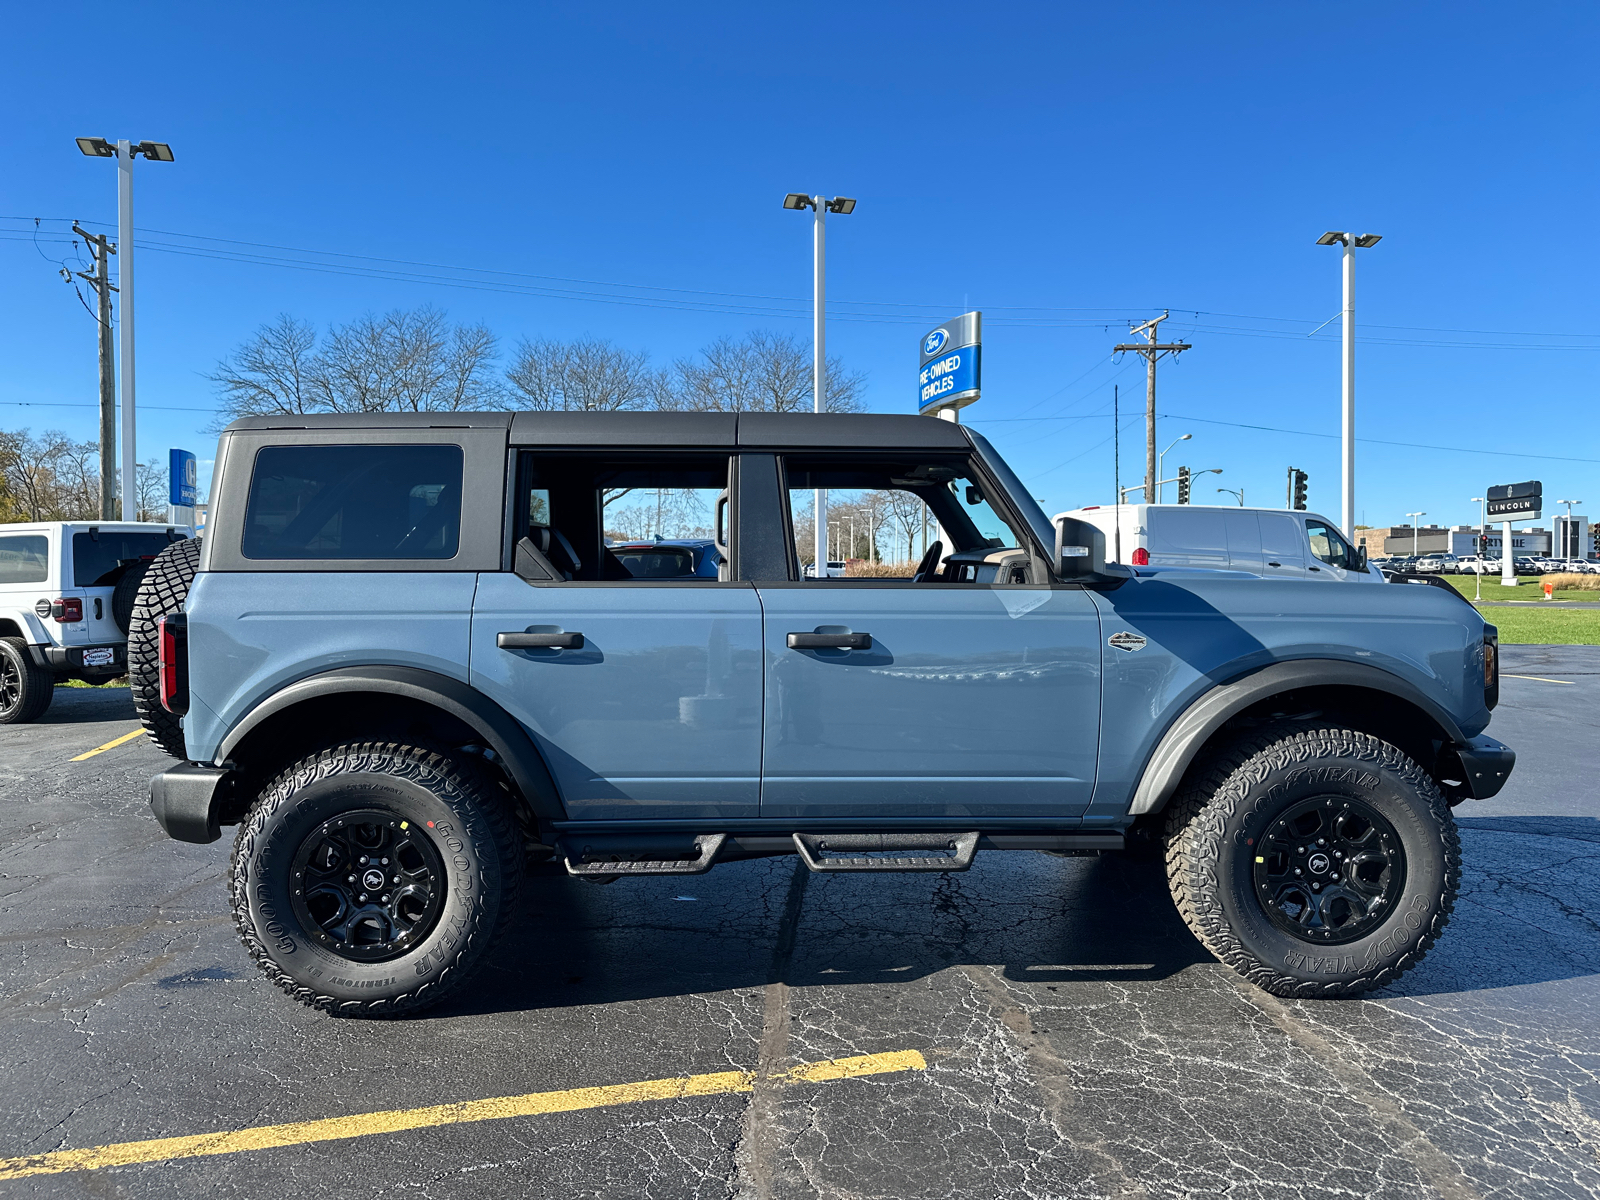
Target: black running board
[812, 847]
[604, 856]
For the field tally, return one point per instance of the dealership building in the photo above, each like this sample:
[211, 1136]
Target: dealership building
[1570, 538]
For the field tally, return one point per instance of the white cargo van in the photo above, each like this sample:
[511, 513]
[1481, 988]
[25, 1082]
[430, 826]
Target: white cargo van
[1272, 542]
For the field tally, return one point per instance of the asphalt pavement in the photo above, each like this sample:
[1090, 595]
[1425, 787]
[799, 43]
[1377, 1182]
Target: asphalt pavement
[1037, 1027]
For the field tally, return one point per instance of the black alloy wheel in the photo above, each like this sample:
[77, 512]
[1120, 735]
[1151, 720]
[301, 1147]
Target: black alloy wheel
[1329, 870]
[369, 884]
[10, 685]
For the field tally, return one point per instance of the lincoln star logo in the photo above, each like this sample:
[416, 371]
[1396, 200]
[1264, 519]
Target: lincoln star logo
[1127, 641]
[931, 343]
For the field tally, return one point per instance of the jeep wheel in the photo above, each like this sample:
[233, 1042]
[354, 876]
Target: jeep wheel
[373, 879]
[26, 689]
[1314, 862]
[163, 589]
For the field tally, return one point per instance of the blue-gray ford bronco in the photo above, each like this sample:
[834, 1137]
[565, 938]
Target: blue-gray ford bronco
[408, 663]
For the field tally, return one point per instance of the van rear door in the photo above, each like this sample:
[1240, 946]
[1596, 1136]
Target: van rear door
[1186, 537]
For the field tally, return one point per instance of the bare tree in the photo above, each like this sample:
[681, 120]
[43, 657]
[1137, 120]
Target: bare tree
[151, 490]
[400, 362]
[274, 373]
[762, 372]
[906, 510]
[50, 477]
[587, 375]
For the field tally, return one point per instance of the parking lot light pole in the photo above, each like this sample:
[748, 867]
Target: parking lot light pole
[1234, 492]
[1350, 242]
[1483, 543]
[1565, 557]
[1416, 534]
[821, 206]
[1161, 459]
[125, 152]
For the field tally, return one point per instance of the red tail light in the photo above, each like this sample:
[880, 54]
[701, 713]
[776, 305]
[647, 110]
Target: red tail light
[173, 663]
[1141, 557]
[67, 610]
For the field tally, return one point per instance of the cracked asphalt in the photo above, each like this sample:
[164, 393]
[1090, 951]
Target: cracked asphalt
[1079, 1043]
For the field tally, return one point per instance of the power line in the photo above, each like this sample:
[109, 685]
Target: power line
[1381, 441]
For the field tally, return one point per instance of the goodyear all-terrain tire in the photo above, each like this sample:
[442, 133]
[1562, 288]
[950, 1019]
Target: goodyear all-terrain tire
[26, 689]
[373, 879]
[162, 590]
[1313, 861]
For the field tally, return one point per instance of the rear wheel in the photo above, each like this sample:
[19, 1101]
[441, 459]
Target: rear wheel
[26, 689]
[1314, 862]
[373, 878]
[164, 587]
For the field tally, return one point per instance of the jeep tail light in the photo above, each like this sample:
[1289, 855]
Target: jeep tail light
[173, 663]
[1141, 557]
[1491, 667]
[67, 610]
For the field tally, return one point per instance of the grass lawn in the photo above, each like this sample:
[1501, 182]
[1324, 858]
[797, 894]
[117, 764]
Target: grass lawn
[1528, 588]
[1545, 626]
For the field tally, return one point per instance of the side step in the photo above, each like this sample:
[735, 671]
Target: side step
[962, 848]
[575, 852]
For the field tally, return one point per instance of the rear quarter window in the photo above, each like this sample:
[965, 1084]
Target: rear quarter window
[354, 502]
[98, 558]
[24, 558]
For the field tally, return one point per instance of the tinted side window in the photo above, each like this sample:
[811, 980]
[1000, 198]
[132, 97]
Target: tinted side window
[354, 502]
[97, 559]
[24, 558]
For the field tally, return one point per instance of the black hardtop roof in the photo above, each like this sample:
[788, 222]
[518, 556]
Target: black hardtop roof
[824, 431]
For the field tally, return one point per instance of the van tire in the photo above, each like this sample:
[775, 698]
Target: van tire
[1232, 859]
[26, 688]
[471, 867]
[163, 588]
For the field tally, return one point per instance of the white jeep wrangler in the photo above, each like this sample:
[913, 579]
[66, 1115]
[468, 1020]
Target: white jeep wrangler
[66, 597]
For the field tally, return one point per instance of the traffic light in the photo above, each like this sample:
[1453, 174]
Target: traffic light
[1299, 478]
[1183, 485]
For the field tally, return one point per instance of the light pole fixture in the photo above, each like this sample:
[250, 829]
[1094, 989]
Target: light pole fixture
[1569, 503]
[821, 206]
[1351, 242]
[1161, 468]
[125, 152]
[1415, 532]
[1483, 543]
[1239, 492]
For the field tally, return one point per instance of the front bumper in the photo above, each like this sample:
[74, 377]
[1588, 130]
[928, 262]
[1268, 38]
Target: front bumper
[186, 800]
[1485, 766]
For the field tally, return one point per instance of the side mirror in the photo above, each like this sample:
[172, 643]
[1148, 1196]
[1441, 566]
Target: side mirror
[1080, 551]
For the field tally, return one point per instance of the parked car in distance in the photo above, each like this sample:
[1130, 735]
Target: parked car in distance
[67, 591]
[834, 570]
[1274, 543]
[687, 558]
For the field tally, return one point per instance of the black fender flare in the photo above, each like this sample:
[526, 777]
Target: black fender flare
[1176, 750]
[504, 735]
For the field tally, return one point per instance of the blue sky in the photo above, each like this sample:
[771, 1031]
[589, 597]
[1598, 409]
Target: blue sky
[1062, 167]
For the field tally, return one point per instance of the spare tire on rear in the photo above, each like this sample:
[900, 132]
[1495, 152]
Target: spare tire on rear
[164, 589]
[127, 594]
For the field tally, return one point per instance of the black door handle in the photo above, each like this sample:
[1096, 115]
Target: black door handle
[830, 641]
[1273, 564]
[539, 641]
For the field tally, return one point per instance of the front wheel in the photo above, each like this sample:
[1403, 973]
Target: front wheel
[373, 879]
[1314, 862]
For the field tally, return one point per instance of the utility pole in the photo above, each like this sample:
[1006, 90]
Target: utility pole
[100, 248]
[1151, 350]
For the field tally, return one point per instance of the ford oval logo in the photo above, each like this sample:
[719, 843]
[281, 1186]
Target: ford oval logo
[931, 343]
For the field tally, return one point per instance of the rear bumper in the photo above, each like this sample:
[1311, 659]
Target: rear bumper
[1485, 766]
[61, 659]
[186, 800]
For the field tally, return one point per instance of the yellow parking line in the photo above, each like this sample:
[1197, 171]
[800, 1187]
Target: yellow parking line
[1539, 679]
[532, 1104]
[111, 745]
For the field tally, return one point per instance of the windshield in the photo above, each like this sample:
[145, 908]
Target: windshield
[1026, 504]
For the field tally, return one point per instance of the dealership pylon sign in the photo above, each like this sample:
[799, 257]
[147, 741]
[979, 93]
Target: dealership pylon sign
[950, 376]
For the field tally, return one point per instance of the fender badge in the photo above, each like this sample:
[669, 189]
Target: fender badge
[1127, 641]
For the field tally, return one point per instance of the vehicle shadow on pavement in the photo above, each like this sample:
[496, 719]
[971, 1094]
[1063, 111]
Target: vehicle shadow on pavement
[83, 706]
[1049, 920]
